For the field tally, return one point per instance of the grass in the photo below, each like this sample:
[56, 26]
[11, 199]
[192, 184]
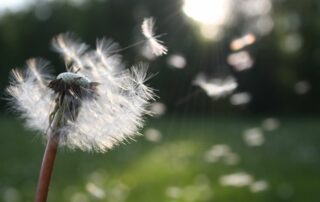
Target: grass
[172, 170]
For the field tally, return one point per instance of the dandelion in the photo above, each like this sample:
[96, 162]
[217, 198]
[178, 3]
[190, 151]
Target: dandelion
[155, 45]
[93, 106]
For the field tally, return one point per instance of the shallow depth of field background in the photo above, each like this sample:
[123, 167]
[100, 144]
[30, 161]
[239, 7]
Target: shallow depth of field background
[259, 143]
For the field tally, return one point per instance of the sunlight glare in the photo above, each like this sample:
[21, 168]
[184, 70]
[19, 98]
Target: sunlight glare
[210, 14]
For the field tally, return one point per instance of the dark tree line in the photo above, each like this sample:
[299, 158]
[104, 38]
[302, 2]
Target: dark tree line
[28, 33]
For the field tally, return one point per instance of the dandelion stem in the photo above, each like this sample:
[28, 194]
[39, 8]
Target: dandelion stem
[50, 153]
[46, 169]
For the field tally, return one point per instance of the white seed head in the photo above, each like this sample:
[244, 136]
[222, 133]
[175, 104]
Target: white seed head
[114, 115]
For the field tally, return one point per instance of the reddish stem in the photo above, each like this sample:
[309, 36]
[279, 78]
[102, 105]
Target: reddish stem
[46, 169]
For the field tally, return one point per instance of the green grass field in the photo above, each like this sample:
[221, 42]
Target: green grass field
[175, 169]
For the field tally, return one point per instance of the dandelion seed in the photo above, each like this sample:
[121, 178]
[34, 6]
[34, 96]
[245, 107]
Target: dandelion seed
[70, 48]
[95, 191]
[259, 186]
[216, 88]
[153, 135]
[29, 97]
[157, 109]
[239, 179]
[147, 53]
[270, 124]
[155, 45]
[292, 43]
[253, 137]
[216, 152]
[240, 98]
[221, 152]
[302, 87]
[177, 61]
[232, 159]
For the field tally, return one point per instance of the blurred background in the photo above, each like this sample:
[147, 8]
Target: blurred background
[237, 114]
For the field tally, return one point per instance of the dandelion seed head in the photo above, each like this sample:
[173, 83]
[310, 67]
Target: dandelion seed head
[153, 44]
[102, 103]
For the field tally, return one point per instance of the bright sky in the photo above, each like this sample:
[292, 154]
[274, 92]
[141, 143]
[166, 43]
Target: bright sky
[14, 5]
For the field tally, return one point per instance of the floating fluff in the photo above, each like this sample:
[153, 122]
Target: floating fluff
[153, 43]
[30, 95]
[100, 102]
[216, 88]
